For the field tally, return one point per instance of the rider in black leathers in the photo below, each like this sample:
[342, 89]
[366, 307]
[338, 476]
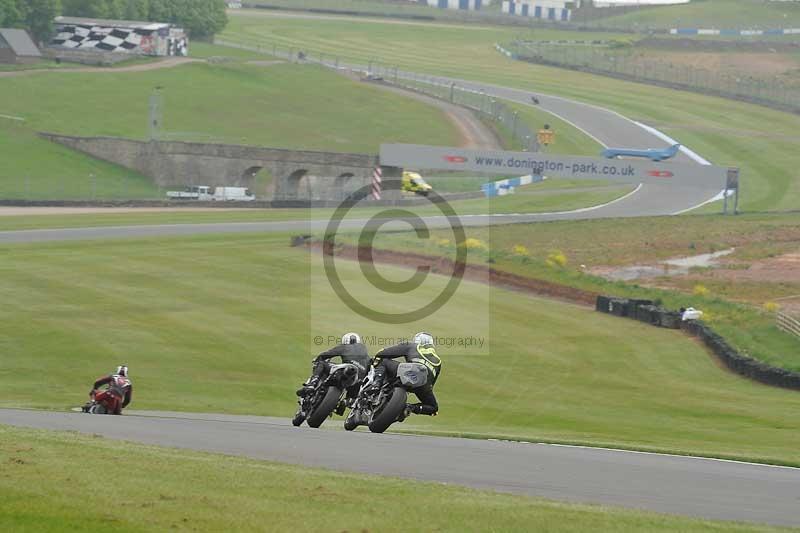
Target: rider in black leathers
[421, 350]
[351, 350]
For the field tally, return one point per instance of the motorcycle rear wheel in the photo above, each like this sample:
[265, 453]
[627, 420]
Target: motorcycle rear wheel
[390, 412]
[325, 407]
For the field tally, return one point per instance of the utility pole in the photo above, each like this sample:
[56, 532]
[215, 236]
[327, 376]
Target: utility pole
[155, 114]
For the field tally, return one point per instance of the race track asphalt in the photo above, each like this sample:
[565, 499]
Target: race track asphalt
[704, 488]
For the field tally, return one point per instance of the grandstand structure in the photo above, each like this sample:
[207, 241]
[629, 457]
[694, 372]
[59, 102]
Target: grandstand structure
[119, 36]
[563, 10]
[554, 10]
[468, 5]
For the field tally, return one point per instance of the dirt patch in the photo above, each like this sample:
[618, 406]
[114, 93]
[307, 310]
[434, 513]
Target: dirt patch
[472, 132]
[781, 269]
[750, 63]
[471, 272]
[711, 45]
[169, 62]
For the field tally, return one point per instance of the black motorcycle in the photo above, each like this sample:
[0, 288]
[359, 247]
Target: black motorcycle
[381, 407]
[320, 403]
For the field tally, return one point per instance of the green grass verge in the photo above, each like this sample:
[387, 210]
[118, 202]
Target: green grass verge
[761, 141]
[552, 195]
[51, 480]
[226, 324]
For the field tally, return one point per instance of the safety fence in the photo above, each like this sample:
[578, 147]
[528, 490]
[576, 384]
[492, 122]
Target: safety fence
[508, 119]
[788, 324]
[623, 62]
[646, 311]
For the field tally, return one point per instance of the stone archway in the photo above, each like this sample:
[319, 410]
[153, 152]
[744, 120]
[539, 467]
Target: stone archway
[340, 185]
[297, 184]
[260, 180]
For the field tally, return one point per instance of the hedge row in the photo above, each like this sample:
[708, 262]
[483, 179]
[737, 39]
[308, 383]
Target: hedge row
[645, 311]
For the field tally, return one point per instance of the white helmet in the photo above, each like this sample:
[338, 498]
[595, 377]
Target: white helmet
[122, 370]
[423, 338]
[351, 338]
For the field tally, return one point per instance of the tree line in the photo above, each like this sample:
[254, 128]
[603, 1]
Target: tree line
[201, 18]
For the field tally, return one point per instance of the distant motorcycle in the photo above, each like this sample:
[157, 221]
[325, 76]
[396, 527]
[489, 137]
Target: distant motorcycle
[106, 401]
[320, 403]
[380, 408]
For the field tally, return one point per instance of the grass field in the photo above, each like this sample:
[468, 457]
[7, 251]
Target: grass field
[553, 195]
[36, 168]
[226, 324]
[199, 491]
[720, 14]
[230, 102]
[761, 141]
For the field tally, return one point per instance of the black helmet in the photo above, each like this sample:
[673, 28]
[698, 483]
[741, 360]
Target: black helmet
[122, 370]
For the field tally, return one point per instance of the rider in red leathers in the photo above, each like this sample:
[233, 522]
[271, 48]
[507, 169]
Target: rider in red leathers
[119, 389]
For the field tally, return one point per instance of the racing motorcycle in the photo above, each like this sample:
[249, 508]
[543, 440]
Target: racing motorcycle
[380, 408]
[320, 403]
[107, 401]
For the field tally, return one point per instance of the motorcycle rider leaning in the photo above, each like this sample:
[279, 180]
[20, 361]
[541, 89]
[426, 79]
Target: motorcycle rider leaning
[420, 350]
[351, 350]
[119, 384]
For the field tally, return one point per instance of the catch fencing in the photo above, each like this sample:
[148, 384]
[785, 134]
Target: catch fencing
[507, 118]
[621, 62]
[788, 324]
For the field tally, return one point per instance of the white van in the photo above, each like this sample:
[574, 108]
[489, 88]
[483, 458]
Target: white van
[240, 194]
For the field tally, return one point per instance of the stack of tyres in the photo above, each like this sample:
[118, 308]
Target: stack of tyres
[670, 319]
[633, 304]
[647, 314]
[618, 306]
[602, 304]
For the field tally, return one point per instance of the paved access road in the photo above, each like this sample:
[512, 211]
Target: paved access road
[707, 488]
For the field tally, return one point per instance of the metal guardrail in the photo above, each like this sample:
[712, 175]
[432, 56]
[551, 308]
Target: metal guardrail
[623, 63]
[788, 324]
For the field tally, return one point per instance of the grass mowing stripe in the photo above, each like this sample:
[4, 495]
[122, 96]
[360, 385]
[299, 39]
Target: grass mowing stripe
[224, 324]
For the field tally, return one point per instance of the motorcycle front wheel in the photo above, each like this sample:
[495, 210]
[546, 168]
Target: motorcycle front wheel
[392, 409]
[325, 407]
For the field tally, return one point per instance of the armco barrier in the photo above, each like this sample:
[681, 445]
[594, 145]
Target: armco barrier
[741, 364]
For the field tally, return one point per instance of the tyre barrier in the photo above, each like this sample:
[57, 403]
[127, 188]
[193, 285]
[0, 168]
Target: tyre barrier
[645, 311]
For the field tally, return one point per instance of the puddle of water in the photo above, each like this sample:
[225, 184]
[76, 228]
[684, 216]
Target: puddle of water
[670, 267]
[702, 260]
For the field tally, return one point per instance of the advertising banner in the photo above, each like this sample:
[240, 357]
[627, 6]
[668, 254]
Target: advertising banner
[632, 170]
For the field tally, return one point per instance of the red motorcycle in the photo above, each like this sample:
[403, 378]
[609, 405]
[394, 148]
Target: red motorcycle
[109, 400]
